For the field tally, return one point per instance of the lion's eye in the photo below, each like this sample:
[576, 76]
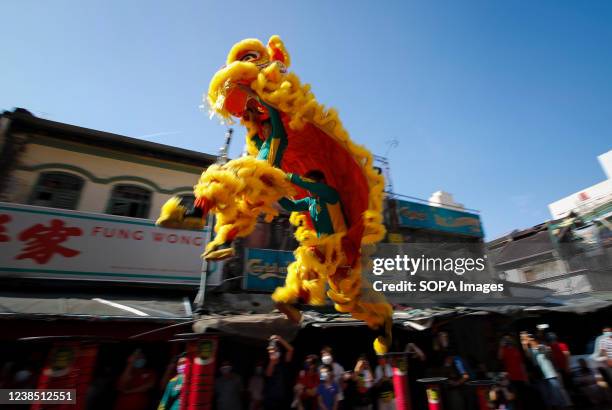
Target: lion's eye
[250, 56]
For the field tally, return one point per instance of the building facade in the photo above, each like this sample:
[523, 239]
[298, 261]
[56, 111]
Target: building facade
[570, 254]
[59, 165]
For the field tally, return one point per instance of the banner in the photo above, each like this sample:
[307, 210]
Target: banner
[415, 215]
[39, 242]
[265, 269]
[197, 392]
[69, 365]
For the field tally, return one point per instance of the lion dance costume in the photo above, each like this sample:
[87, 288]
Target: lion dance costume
[291, 135]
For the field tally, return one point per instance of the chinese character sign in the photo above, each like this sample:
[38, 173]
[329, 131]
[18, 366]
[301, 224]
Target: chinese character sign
[43, 242]
[4, 219]
[51, 243]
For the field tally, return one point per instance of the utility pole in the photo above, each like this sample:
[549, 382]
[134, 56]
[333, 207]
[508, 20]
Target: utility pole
[390, 207]
[382, 163]
[222, 158]
[224, 150]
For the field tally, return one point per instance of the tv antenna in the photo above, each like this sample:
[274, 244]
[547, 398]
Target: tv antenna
[383, 165]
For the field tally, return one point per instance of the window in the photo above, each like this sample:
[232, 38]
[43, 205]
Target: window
[530, 275]
[130, 200]
[57, 190]
[187, 200]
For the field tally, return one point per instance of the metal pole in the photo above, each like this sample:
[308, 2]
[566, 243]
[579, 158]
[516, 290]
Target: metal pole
[224, 150]
[221, 159]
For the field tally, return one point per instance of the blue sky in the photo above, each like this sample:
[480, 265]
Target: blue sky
[506, 104]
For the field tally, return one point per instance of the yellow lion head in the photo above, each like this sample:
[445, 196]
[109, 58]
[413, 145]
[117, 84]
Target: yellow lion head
[231, 86]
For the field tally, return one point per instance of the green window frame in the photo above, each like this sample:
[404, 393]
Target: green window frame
[56, 189]
[129, 200]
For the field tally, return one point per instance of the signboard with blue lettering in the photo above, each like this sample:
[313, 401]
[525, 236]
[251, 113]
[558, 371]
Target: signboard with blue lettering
[265, 269]
[415, 215]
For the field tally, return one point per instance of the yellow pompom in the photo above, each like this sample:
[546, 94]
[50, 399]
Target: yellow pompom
[380, 346]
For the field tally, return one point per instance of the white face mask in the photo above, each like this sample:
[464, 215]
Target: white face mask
[275, 355]
[324, 376]
[22, 375]
[327, 359]
[139, 363]
[607, 334]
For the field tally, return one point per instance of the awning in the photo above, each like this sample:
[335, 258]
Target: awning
[258, 326]
[99, 306]
[262, 326]
[580, 304]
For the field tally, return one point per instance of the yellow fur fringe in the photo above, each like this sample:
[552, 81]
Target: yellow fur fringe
[240, 191]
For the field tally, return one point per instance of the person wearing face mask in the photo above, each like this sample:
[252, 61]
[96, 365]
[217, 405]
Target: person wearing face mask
[328, 391]
[275, 375]
[135, 384]
[309, 380]
[228, 388]
[327, 358]
[172, 394]
[602, 354]
[255, 387]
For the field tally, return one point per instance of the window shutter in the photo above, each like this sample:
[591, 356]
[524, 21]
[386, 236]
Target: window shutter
[57, 190]
[130, 200]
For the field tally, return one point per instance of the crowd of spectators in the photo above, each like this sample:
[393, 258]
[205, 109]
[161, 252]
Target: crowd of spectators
[537, 372]
[534, 370]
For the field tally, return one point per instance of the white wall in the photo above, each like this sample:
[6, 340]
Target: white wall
[582, 200]
[442, 198]
[587, 198]
[606, 163]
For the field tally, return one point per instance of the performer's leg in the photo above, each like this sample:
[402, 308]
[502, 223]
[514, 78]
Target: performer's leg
[290, 294]
[223, 250]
